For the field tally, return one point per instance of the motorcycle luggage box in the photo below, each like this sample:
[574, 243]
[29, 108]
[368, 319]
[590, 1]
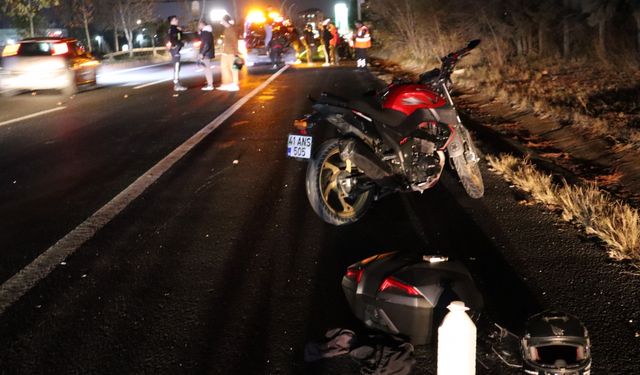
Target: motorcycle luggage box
[406, 294]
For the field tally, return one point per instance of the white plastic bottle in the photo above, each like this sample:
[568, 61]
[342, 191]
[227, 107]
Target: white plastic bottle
[457, 342]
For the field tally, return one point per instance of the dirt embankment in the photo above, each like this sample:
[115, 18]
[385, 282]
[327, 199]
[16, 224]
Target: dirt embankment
[586, 119]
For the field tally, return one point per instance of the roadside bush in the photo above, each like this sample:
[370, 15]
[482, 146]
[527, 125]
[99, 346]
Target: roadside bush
[615, 223]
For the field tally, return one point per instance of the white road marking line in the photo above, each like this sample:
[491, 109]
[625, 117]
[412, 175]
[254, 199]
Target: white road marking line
[152, 83]
[7, 122]
[130, 69]
[20, 283]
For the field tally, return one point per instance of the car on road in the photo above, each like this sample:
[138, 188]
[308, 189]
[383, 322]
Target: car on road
[191, 48]
[46, 63]
[253, 46]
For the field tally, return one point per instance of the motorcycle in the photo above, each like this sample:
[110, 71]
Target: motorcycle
[395, 141]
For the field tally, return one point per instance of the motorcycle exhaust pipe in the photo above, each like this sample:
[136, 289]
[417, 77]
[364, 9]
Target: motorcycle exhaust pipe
[365, 159]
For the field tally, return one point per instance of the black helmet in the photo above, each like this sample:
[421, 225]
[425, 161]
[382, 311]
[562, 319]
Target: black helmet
[556, 343]
[238, 62]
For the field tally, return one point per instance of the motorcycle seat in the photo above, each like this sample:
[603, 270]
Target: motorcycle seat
[388, 117]
[331, 99]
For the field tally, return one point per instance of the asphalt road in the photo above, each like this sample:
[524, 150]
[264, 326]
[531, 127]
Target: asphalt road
[221, 266]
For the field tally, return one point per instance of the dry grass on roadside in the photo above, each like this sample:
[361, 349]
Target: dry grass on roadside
[593, 210]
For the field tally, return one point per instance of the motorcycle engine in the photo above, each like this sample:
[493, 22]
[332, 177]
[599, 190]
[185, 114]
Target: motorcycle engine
[421, 160]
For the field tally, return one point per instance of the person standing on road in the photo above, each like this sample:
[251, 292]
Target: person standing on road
[207, 52]
[276, 46]
[362, 44]
[268, 34]
[229, 54]
[308, 41]
[294, 39]
[175, 45]
[333, 44]
[326, 41]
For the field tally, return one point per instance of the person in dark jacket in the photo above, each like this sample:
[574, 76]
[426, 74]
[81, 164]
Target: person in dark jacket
[207, 52]
[277, 45]
[308, 41]
[326, 41]
[175, 45]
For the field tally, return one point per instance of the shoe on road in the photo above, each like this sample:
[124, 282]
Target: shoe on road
[229, 87]
[178, 87]
[207, 88]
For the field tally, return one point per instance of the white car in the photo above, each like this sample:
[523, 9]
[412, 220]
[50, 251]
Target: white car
[46, 64]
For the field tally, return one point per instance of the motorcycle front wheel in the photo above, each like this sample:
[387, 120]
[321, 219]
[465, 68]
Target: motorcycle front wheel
[469, 170]
[327, 175]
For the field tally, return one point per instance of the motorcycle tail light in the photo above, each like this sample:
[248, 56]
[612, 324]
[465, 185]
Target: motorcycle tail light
[197, 44]
[301, 124]
[355, 274]
[392, 284]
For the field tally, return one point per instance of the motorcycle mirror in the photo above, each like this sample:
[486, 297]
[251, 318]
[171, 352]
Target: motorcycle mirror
[473, 44]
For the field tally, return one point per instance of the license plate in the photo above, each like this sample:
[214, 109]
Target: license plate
[299, 146]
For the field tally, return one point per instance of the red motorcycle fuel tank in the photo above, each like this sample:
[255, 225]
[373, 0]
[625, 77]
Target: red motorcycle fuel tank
[409, 97]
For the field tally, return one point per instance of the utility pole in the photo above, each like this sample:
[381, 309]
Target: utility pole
[359, 3]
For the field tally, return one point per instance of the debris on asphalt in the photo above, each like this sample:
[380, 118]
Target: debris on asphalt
[376, 353]
[126, 96]
[338, 342]
[236, 161]
[385, 359]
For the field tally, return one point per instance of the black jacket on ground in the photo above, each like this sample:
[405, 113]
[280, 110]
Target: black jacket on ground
[206, 38]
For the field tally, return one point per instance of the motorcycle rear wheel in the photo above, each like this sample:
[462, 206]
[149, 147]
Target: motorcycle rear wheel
[327, 198]
[469, 170]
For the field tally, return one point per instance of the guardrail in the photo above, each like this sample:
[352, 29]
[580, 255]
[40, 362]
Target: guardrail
[154, 50]
[157, 51]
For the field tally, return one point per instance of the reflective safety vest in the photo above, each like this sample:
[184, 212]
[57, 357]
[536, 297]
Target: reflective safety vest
[363, 38]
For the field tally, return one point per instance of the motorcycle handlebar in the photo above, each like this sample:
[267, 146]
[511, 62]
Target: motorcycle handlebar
[451, 59]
